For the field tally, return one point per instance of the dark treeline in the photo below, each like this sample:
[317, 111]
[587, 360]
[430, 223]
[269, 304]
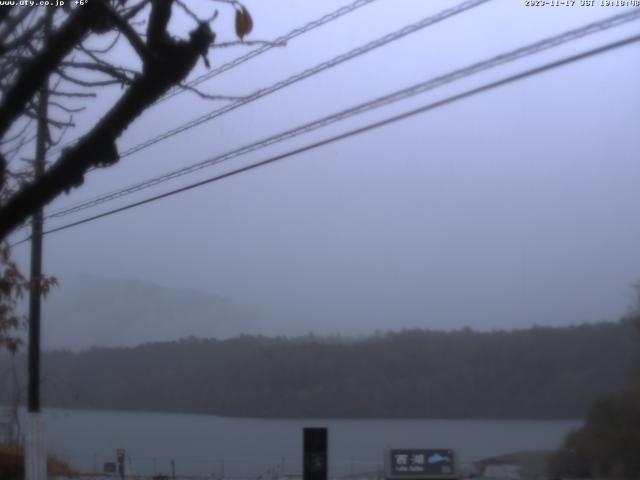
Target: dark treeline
[532, 373]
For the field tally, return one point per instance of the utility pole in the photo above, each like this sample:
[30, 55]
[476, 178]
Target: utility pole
[35, 456]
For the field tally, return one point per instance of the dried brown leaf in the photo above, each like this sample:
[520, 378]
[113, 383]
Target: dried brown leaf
[244, 22]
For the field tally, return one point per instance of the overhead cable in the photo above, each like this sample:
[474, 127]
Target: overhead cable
[356, 52]
[296, 32]
[379, 102]
[431, 106]
[283, 39]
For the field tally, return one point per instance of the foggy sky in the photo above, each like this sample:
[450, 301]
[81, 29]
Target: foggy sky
[512, 208]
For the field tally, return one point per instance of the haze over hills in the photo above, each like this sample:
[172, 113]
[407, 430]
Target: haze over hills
[86, 311]
[167, 349]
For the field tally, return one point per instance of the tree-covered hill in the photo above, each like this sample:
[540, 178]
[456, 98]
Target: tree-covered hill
[533, 373]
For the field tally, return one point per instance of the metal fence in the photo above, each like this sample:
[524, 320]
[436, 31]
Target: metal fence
[260, 468]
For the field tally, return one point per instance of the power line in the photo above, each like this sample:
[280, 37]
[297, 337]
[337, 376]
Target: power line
[391, 37]
[265, 48]
[358, 131]
[386, 39]
[402, 94]
[296, 32]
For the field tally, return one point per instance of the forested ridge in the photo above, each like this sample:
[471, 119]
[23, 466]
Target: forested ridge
[534, 373]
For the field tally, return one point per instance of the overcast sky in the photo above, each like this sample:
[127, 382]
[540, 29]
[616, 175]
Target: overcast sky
[515, 207]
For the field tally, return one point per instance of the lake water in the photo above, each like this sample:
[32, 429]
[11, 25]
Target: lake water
[240, 447]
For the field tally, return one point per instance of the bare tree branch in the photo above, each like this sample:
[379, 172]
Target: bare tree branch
[13, 22]
[109, 46]
[32, 75]
[188, 11]
[143, 51]
[170, 63]
[53, 142]
[10, 154]
[65, 108]
[157, 34]
[19, 134]
[118, 73]
[133, 11]
[207, 96]
[51, 121]
[24, 37]
[89, 83]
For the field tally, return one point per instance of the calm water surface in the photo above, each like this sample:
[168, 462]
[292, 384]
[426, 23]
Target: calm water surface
[205, 444]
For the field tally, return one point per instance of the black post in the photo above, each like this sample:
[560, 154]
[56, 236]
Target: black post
[35, 458]
[35, 292]
[315, 461]
[120, 459]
